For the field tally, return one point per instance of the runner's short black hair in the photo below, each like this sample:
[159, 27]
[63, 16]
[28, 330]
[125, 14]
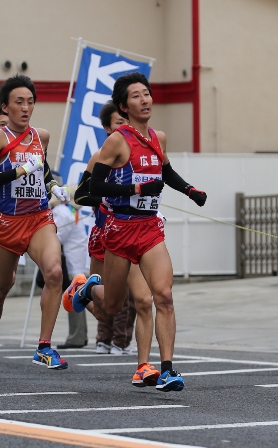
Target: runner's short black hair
[14, 82]
[120, 92]
[105, 113]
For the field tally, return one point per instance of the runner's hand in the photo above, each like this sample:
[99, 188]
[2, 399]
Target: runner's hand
[197, 196]
[151, 188]
[34, 162]
[61, 193]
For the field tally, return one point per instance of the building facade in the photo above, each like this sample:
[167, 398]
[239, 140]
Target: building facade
[214, 79]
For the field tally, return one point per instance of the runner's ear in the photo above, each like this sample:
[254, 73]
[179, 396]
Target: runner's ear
[124, 109]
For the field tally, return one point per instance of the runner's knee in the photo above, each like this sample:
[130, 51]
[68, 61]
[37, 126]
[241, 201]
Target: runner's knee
[144, 305]
[112, 308]
[54, 276]
[164, 300]
[4, 289]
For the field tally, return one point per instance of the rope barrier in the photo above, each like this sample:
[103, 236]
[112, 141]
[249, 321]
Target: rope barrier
[222, 222]
[200, 216]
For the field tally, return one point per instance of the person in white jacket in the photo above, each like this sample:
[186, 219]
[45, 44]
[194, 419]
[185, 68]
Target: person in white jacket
[74, 241]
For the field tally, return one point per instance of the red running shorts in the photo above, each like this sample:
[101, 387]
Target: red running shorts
[132, 238]
[95, 246]
[17, 231]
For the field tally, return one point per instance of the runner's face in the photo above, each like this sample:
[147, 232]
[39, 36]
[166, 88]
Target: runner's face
[116, 121]
[139, 102]
[20, 107]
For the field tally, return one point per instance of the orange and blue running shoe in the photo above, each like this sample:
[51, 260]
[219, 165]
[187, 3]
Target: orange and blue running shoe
[80, 299]
[50, 358]
[147, 375]
[67, 297]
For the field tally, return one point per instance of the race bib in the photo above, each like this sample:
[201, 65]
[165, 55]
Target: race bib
[145, 202]
[28, 187]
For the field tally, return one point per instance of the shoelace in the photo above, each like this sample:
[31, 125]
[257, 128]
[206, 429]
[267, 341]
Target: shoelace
[174, 373]
[149, 366]
[55, 353]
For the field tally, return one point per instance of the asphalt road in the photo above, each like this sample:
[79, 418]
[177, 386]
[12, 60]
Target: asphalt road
[230, 399]
[225, 350]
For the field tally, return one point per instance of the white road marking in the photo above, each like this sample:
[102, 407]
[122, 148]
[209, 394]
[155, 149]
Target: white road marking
[266, 385]
[39, 393]
[181, 359]
[228, 372]
[116, 408]
[233, 361]
[187, 428]
[103, 364]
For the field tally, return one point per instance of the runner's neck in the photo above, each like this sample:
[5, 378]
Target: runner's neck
[16, 132]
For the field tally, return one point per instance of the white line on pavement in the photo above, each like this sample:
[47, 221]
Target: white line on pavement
[227, 372]
[116, 408]
[233, 361]
[181, 359]
[103, 364]
[187, 428]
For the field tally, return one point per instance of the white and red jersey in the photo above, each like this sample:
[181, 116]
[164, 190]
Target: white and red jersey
[144, 164]
[26, 194]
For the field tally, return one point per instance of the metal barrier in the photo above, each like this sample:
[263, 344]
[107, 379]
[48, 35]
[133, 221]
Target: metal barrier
[256, 251]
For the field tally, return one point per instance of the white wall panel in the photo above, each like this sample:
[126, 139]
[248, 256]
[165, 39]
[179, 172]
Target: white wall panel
[197, 244]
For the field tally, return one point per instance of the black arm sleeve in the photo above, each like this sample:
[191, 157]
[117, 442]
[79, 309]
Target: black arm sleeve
[47, 173]
[82, 195]
[7, 177]
[174, 180]
[98, 186]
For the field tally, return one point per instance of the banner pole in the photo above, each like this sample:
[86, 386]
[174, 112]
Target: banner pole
[117, 50]
[69, 101]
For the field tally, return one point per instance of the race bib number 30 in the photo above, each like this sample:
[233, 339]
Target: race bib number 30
[29, 187]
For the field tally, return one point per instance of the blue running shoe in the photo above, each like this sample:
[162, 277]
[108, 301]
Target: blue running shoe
[170, 380]
[80, 300]
[50, 358]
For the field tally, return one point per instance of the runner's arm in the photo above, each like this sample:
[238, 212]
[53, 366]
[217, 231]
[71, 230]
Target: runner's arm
[8, 176]
[98, 186]
[176, 182]
[82, 194]
[33, 163]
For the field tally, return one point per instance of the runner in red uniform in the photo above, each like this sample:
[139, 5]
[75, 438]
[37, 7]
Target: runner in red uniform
[26, 222]
[131, 172]
[120, 324]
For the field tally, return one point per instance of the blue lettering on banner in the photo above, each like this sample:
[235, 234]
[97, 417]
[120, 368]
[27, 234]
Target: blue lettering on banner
[97, 74]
